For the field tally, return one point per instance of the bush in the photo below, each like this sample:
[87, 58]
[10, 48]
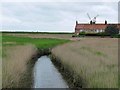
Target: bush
[74, 35]
[112, 30]
[115, 36]
[82, 33]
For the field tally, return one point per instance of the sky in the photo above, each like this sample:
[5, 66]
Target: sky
[53, 15]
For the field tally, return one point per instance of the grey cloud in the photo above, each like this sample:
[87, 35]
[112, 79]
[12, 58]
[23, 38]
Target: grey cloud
[49, 16]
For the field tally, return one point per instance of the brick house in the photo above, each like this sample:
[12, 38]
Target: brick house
[91, 28]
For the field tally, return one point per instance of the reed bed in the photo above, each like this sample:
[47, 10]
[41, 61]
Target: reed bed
[17, 53]
[94, 61]
[14, 65]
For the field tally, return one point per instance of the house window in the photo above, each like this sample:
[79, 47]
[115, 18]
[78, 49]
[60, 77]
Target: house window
[81, 30]
[97, 30]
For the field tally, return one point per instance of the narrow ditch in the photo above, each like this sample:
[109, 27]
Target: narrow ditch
[46, 75]
[46, 72]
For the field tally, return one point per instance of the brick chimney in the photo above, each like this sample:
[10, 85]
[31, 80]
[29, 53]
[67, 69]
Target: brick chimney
[91, 22]
[76, 22]
[105, 22]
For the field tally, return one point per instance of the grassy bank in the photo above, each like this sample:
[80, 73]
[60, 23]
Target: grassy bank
[17, 54]
[92, 63]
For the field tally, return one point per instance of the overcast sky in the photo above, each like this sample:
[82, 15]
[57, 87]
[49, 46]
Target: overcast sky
[53, 16]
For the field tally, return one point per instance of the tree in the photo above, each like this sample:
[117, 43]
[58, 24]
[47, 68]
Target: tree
[112, 30]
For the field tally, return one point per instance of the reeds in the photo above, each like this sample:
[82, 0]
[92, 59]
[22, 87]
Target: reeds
[14, 64]
[94, 60]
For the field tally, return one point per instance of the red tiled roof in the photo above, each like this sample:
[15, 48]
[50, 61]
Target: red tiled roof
[93, 26]
[89, 26]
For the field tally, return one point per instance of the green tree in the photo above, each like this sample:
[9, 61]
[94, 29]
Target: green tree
[112, 30]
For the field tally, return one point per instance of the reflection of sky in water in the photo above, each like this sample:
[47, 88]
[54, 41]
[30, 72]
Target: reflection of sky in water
[46, 75]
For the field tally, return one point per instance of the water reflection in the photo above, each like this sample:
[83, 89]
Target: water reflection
[46, 75]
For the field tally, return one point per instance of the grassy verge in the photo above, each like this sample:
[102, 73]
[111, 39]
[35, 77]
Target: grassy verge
[17, 54]
[92, 63]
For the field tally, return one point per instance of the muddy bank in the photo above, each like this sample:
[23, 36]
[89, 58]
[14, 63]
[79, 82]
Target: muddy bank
[73, 80]
[27, 79]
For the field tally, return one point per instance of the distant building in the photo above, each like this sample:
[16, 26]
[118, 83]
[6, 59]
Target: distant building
[92, 27]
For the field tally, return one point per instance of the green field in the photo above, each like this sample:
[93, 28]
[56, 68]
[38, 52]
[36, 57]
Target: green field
[38, 42]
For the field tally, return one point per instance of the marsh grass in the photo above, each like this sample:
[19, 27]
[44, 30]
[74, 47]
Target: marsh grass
[99, 53]
[17, 53]
[94, 51]
[14, 65]
[95, 61]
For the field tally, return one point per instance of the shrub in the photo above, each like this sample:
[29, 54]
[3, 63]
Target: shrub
[112, 30]
[82, 33]
[74, 35]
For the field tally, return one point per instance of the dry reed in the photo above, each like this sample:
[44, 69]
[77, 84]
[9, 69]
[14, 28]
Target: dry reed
[95, 60]
[14, 64]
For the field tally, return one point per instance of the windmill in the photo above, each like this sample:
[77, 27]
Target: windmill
[92, 20]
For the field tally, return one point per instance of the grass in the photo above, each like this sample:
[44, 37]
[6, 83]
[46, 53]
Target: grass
[17, 53]
[38, 42]
[15, 65]
[0, 60]
[40, 35]
[38, 32]
[92, 61]
[95, 52]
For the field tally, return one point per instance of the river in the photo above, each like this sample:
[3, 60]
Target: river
[46, 75]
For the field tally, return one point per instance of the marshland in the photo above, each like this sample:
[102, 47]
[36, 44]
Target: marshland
[82, 62]
[19, 55]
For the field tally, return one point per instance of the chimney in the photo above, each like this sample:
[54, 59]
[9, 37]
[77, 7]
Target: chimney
[105, 22]
[76, 22]
[91, 22]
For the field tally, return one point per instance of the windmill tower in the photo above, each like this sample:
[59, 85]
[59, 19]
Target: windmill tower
[92, 20]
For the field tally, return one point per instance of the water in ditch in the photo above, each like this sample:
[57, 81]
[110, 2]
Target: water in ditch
[46, 75]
